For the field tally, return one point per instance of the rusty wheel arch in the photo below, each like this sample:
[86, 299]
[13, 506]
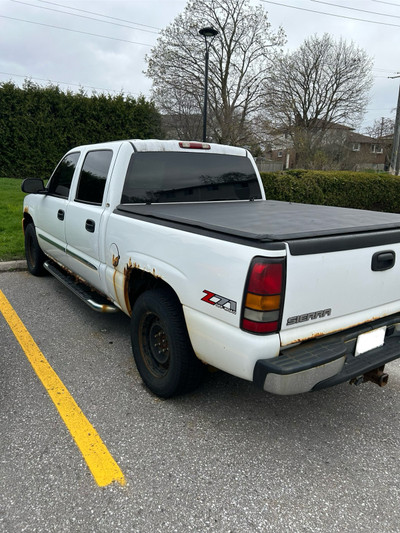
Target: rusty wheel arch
[138, 281]
[27, 219]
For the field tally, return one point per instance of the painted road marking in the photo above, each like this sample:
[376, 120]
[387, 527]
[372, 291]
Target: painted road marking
[99, 460]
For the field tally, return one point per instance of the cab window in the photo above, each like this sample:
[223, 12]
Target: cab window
[60, 182]
[189, 177]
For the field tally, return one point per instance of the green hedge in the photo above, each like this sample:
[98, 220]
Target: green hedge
[360, 190]
[38, 125]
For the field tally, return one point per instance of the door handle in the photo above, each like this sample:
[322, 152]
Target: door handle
[60, 214]
[90, 225]
[383, 260]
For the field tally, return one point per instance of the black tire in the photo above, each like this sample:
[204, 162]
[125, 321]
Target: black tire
[161, 347]
[33, 253]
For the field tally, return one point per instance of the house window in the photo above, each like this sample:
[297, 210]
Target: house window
[356, 147]
[280, 153]
[376, 149]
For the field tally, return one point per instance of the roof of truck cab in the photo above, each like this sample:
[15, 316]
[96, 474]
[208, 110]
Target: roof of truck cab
[155, 145]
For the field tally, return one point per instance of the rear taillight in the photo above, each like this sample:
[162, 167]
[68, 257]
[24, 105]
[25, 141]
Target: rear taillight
[263, 297]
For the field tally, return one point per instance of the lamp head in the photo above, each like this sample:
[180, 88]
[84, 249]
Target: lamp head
[208, 32]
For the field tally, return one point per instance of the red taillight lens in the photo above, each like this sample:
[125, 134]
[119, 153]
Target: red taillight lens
[265, 278]
[263, 299]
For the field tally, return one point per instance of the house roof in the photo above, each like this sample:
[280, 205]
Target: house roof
[359, 138]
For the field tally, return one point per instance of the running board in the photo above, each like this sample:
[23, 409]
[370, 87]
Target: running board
[94, 300]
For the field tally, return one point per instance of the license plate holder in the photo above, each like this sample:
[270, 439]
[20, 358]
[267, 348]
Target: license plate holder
[370, 340]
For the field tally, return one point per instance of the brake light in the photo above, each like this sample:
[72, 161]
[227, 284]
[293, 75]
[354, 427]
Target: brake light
[195, 145]
[263, 297]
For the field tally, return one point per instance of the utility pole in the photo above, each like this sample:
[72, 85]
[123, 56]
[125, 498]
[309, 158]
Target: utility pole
[395, 159]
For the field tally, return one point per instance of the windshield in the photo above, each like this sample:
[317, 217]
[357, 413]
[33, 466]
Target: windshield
[155, 177]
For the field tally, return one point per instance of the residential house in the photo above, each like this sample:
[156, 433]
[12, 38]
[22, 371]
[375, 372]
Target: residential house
[343, 148]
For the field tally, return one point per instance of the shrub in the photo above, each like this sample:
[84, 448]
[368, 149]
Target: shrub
[39, 125]
[360, 190]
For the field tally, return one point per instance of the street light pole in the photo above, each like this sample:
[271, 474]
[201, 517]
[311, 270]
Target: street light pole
[208, 34]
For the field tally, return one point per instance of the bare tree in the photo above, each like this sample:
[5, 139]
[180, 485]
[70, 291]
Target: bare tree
[240, 58]
[382, 130]
[321, 83]
[382, 127]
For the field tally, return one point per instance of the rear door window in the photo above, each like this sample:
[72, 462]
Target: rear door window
[93, 176]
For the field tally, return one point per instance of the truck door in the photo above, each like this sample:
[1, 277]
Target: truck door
[84, 216]
[51, 212]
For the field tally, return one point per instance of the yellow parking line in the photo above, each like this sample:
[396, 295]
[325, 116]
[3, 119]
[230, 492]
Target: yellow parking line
[99, 460]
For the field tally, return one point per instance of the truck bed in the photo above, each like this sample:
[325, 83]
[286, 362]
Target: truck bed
[306, 228]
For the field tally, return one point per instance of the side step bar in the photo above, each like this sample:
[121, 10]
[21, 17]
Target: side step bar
[94, 300]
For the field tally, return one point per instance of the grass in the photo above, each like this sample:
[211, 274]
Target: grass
[11, 235]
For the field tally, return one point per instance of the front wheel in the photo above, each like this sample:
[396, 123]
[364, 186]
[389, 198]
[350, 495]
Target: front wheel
[161, 347]
[35, 257]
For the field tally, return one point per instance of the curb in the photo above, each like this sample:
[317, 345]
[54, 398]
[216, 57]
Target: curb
[10, 266]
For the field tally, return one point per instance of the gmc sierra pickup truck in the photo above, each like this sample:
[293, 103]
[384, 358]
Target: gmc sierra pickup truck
[180, 237]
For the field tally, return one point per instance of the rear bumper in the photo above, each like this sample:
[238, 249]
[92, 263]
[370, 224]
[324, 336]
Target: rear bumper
[327, 361]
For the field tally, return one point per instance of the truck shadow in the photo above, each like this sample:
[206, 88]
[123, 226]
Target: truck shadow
[226, 403]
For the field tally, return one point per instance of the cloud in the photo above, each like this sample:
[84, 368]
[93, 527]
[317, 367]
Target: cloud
[33, 45]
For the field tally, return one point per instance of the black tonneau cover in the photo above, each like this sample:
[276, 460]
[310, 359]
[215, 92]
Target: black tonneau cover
[307, 228]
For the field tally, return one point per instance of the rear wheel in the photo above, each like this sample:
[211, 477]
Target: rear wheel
[33, 253]
[161, 346]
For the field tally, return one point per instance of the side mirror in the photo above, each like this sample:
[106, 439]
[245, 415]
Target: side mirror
[33, 186]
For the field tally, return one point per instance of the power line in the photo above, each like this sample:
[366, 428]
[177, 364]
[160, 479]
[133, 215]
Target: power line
[388, 3]
[83, 16]
[64, 83]
[75, 31]
[354, 9]
[382, 69]
[99, 14]
[330, 14]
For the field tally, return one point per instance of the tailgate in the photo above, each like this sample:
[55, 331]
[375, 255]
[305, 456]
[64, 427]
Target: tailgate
[339, 282]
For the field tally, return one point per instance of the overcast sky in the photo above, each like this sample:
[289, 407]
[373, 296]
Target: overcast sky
[101, 44]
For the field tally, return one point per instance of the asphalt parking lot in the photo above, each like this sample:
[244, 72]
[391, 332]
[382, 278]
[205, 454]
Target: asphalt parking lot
[226, 458]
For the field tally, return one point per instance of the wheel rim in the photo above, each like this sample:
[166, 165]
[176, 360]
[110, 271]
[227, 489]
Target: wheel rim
[155, 346]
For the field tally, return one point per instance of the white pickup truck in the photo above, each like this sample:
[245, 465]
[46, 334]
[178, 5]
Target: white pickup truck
[179, 236]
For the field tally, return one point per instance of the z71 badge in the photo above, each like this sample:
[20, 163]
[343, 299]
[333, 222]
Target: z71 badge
[220, 301]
